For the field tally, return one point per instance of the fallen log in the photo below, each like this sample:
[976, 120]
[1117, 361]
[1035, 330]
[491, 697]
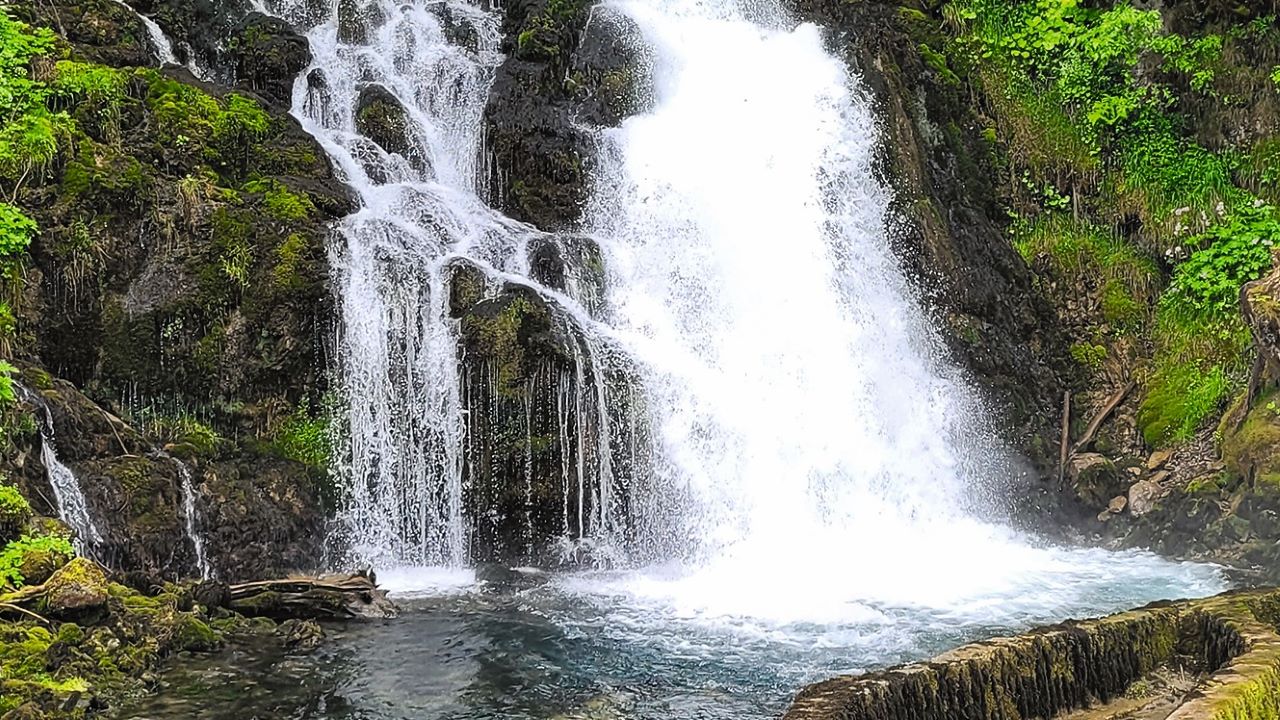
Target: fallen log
[328, 597]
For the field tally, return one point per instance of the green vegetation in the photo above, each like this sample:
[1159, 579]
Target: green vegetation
[30, 133]
[280, 202]
[1113, 188]
[305, 437]
[17, 554]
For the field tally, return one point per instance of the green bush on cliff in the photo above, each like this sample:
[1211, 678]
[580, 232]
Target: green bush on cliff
[16, 553]
[16, 232]
[1229, 254]
[29, 132]
[305, 437]
[7, 395]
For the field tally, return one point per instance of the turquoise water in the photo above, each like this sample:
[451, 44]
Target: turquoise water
[597, 647]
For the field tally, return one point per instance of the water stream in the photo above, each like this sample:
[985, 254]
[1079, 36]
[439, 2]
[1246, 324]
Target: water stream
[72, 507]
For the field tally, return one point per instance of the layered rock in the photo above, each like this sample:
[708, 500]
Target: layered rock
[180, 280]
[1231, 641]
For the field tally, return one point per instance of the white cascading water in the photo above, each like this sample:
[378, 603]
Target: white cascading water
[398, 365]
[190, 520]
[159, 42]
[73, 508]
[818, 448]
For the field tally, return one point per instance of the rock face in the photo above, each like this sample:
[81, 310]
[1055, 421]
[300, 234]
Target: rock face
[268, 54]
[567, 64]
[1049, 672]
[535, 421]
[175, 308]
[383, 119]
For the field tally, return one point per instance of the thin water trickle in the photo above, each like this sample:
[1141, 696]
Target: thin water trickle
[73, 508]
[190, 519]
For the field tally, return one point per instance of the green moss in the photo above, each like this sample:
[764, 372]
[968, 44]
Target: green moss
[280, 202]
[193, 634]
[1089, 355]
[305, 437]
[15, 511]
[498, 337]
[1253, 451]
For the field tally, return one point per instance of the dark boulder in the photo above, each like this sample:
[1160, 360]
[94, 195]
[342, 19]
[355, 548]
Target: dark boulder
[268, 55]
[381, 117]
[612, 69]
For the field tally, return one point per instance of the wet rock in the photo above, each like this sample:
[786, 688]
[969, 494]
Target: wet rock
[1144, 496]
[77, 590]
[612, 69]
[467, 285]
[1117, 504]
[1095, 479]
[383, 119]
[540, 153]
[301, 634]
[211, 594]
[357, 20]
[200, 30]
[268, 54]
[1051, 671]
[571, 264]
[458, 30]
[193, 634]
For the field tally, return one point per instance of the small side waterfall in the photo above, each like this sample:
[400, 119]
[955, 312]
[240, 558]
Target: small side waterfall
[160, 44]
[73, 508]
[190, 518]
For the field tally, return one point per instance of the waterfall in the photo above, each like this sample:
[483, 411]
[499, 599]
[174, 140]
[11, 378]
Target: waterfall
[159, 42]
[73, 508]
[190, 519]
[752, 394]
[795, 384]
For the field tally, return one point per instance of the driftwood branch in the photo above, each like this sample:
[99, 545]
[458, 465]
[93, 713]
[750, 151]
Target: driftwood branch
[1112, 403]
[10, 607]
[326, 596]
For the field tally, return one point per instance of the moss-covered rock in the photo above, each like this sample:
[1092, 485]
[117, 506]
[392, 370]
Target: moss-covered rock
[1052, 671]
[382, 118]
[76, 590]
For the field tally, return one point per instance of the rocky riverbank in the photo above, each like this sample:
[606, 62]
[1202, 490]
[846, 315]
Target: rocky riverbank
[1212, 659]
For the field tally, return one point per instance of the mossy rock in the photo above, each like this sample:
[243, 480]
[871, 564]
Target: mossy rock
[383, 119]
[193, 634]
[76, 590]
[38, 566]
[1253, 451]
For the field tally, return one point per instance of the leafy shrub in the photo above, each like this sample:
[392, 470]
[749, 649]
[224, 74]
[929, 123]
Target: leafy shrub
[12, 556]
[305, 437]
[16, 232]
[15, 511]
[1230, 254]
[7, 395]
